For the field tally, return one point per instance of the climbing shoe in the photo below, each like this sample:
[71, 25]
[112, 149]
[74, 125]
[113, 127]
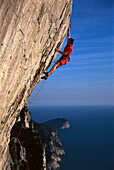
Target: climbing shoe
[46, 73]
[44, 77]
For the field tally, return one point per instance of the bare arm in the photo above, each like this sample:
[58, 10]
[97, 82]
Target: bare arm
[68, 36]
[68, 33]
[63, 53]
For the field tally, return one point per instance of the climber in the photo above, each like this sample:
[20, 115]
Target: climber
[65, 56]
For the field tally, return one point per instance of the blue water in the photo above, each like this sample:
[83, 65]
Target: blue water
[89, 142]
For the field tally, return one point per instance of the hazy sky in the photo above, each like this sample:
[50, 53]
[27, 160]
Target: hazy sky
[88, 79]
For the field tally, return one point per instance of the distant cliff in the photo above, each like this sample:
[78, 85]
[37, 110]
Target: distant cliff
[29, 33]
[59, 123]
[38, 146]
[53, 147]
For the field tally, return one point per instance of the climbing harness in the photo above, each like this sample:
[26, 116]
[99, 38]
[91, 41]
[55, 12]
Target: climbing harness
[22, 125]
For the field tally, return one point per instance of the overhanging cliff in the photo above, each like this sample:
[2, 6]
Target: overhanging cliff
[29, 33]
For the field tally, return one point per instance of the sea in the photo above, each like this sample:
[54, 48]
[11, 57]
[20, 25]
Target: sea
[89, 142]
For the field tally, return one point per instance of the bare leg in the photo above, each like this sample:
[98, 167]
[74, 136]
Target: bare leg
[56, 65]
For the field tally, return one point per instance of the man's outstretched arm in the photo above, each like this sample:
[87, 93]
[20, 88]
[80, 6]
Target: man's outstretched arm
[68, 33]
[63, 53]
[68, 36]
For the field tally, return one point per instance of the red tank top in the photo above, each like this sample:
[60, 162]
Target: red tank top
[68, 49]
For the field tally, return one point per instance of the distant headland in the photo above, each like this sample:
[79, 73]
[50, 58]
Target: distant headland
[59, 123]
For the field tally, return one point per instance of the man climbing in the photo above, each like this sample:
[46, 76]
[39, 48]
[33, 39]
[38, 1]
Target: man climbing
[65, 56]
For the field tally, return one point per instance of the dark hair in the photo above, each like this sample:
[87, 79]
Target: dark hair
[71, 40]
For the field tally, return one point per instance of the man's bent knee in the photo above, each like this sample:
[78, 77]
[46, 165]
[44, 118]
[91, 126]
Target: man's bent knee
[57, 64]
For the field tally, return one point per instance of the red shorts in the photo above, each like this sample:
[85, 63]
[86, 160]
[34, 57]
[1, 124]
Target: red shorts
[63, 60]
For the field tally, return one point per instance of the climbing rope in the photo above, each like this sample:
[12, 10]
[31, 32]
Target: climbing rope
[22, 125]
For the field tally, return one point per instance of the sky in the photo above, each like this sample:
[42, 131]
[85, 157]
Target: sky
[88, 79]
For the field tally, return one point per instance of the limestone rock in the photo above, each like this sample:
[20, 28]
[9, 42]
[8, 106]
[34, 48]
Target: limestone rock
[53, 147]
[29, 33]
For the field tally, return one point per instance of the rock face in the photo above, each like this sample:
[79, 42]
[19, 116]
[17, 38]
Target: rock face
[53, 147]
[59, 123]
[29, 33]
